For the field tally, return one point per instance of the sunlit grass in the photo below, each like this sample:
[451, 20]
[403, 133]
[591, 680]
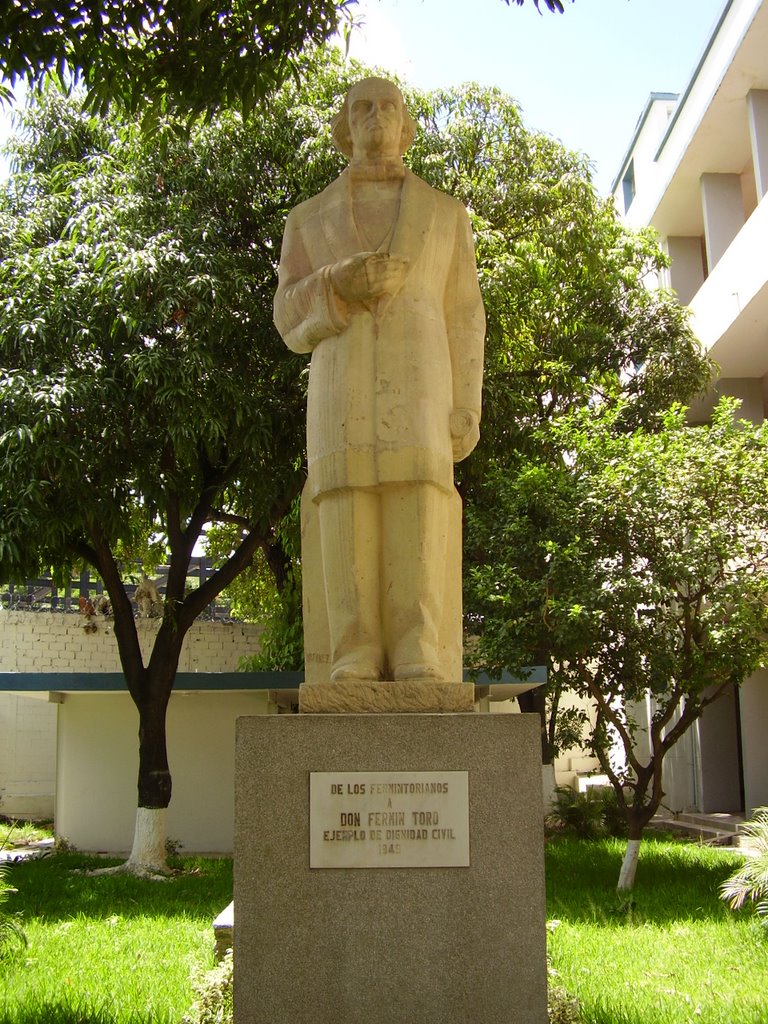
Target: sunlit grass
[109, 950]
[118, 950]
[673, 954]
[20, 832]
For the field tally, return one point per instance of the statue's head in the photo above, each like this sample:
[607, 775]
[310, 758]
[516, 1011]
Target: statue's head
[373, 121]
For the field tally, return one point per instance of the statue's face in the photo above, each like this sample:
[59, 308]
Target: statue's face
[375, 119]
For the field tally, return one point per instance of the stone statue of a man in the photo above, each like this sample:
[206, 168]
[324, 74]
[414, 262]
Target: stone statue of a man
[378, 281]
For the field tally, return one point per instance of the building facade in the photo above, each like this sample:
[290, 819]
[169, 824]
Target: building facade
[697, 171]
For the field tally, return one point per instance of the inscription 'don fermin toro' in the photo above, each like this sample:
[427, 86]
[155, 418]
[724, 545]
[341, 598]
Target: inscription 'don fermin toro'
[388, 819]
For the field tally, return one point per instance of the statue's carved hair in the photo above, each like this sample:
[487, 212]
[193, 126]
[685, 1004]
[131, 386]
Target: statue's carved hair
[340, 125]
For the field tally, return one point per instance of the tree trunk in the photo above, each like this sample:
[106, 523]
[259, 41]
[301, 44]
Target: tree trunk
[148, 855]
[629, 866]
[534, 702]
[637, 819]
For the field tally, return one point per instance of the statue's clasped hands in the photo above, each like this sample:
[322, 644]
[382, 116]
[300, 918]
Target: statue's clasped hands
[368, 275]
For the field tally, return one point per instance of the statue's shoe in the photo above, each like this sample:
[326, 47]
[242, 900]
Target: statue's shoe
[355, 672]
[416, 671]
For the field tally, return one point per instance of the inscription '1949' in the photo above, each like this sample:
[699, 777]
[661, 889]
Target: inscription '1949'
[389, 819]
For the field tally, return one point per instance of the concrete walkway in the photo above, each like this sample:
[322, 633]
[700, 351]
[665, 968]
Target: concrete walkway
[13, 854]
[716, 829]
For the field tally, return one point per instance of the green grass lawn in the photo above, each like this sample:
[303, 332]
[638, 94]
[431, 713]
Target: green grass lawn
[676, 955]
[118, 950]
[109, 950]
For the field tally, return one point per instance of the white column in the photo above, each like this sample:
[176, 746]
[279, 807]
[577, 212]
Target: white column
[757, 110]
[723, 209]
[686, 269]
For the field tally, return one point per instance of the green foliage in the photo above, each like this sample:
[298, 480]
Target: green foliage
[111, 949]
[213, 995]
[571, 327]
[578, 814]
[281, 645]
[750, 882]
[678, 956]
[640, 565]
[153, 56]
[570, 321]
[11, 933]
[588, 815]
[145, 392]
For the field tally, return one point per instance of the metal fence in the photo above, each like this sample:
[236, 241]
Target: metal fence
[43, 595]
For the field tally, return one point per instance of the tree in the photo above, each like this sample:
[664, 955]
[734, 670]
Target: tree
[570, 323]
[145, 392]
[194, 56]
[552, 5]
[160, 54]
[653, 581]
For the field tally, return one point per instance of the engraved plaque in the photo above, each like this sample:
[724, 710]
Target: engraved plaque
[388, 819]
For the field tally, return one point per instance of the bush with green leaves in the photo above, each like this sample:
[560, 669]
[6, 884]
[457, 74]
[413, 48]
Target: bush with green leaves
[587, 815]
[750, 883]
[213, 995]
[11, 932]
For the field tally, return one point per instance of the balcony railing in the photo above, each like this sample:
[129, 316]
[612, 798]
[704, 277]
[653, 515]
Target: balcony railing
[43, 595]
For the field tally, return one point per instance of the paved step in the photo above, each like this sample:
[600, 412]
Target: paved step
[40, 848]
[715, 829]
[722, 822]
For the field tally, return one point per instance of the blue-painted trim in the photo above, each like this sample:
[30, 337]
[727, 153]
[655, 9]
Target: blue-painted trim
[114, 682]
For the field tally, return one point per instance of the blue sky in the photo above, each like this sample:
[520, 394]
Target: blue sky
[583, 76]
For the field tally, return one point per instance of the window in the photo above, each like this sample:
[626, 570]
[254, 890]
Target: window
[628, 185]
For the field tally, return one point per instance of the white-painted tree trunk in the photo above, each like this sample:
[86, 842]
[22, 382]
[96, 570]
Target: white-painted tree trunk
[148, 854]
[629, 866]
[148, 857]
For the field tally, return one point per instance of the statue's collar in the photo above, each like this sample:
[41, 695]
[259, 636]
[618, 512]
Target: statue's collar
[377, 170]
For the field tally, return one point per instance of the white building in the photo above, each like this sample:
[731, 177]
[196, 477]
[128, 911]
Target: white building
[697, 171]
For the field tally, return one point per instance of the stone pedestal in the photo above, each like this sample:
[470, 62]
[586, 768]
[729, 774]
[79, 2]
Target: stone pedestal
[366, 697]
[381, 945]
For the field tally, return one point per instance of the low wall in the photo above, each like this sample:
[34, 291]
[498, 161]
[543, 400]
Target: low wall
[60, 642]
[98, 766]
[27, 756]
[43, 642]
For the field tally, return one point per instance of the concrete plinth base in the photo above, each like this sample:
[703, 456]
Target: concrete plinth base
[378, 945]
[366, 697]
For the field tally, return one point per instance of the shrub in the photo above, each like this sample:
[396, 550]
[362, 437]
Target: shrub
[588, 815]
[750, 882]
[213, 995]
[577, 814]
[11, 932]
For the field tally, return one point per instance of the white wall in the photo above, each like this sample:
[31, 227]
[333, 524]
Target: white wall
[27, 756]
[753, 703]
[42, 642]
[98, 765]
[60, 642]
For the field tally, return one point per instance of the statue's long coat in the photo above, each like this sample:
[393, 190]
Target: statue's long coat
[383, 384]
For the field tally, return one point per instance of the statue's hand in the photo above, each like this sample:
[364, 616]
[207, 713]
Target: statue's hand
[465, 432]
[368, 275]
